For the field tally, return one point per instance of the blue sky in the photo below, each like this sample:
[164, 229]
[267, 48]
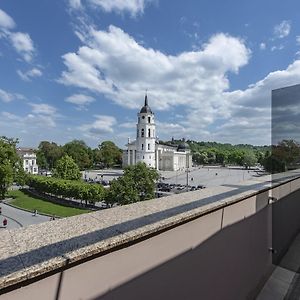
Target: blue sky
[78, 69]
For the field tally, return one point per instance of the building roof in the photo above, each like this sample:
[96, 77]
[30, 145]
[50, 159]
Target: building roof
[146, 108]
[183, 146]
[25, 150]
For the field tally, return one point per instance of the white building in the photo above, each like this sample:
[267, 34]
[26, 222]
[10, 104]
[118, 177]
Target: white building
[28, 157]
[165, 157]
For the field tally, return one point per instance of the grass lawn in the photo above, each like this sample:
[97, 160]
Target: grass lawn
[23, 200]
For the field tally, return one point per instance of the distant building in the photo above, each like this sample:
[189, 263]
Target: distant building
[146, 148]
[28, 157]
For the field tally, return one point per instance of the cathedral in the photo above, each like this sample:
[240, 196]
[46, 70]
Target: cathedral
[146, 148]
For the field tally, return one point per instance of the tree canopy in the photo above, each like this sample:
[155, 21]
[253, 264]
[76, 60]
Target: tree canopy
[137, 184]
[11, 168]
[107, 154]
[110, 154]
[48, 154]
[283, 156]
[66, 168]
[218, 153]
[80, 152]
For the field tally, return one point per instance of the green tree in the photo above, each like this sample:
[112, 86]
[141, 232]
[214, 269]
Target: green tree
[10, 165]
[200, 157]
[273, 164]
[80, 152]
[66, 168]
[249, 159]
[287, 151]
[110, 154]
[48, 154]
[211, 156]
[221, 157]
[97, 159]
[137, 184]
[67, 188]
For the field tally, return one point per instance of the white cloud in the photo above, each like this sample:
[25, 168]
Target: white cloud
[101, 126]
[6, 22]
[134, 7]
[9, 116]
[5, 96]
[27, 76]
[250, 110]
[75, 4]
[114, 64]
[128, 124]
[39, 121]
[28, 122]
[283, 29]
[43, 108]
[80, 100]
[170, 129]
[262, 46]
[23, 44]
[21, 41]
[8, 97]
[279, 47]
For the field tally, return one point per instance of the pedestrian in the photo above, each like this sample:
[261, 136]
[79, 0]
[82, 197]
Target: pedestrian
[35, 212]
[5, 222]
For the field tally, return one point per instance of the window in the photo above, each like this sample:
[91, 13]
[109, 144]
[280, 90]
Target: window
[143, 117]
[148, 146]
[142, 132]
[137, 133]
[142, 146]
[149, 119]
[149, 132]
[26, 161]
[143, 157]
[33, 162]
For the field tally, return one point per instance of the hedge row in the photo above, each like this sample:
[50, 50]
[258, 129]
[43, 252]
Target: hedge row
[67, 188]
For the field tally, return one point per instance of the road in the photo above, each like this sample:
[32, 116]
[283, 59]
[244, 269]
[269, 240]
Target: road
[17, 218]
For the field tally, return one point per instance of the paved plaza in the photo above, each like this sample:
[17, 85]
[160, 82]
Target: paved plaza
[209, 176]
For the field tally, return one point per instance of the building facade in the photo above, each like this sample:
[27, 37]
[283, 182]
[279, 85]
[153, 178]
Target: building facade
[28, 158]
[147, 149]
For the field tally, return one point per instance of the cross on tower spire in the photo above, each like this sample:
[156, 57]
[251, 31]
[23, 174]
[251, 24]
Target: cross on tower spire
[146, 99]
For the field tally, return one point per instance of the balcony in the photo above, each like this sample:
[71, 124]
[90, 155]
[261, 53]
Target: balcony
[217, 243]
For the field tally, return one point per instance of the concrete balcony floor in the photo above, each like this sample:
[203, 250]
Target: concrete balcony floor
[284, 283]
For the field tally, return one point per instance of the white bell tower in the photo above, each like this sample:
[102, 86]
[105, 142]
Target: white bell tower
[145, 136]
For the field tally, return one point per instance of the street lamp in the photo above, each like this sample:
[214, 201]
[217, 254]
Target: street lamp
[187, 171]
